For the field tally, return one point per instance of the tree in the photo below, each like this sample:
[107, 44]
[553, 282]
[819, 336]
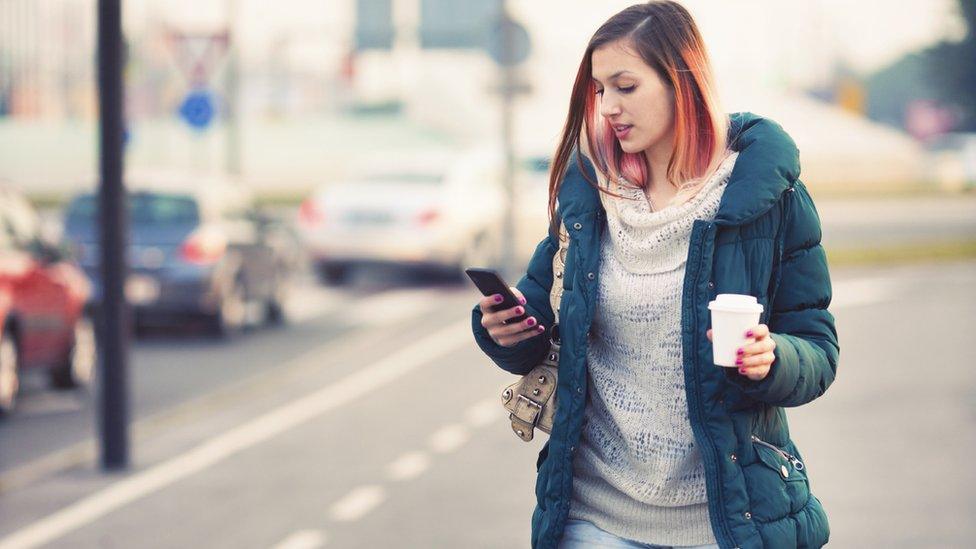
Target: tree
[944, 72]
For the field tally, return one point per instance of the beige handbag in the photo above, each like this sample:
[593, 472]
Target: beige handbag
[531, 401]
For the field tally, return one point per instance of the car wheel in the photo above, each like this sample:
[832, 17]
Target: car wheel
[332, 274]
[232, 313]
[79, 368]
[274, 314]
[9, 373]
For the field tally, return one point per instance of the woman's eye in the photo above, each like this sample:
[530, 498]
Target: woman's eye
[627, 89]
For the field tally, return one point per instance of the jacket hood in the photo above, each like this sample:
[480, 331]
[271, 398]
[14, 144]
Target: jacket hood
[768, 165]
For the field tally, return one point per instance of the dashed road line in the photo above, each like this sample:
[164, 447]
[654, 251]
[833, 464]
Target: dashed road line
[484, 413]
[357, 503]
[408, 466]
[303, 539]
[449, 438]
[360, 501]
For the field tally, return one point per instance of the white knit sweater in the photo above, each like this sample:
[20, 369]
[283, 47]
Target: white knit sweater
[638, 473]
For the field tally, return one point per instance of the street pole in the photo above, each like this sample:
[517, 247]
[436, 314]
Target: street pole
[232, 104]
[508, 107]
[113, 409]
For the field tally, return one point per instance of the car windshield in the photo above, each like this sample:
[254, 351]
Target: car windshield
[144, 209]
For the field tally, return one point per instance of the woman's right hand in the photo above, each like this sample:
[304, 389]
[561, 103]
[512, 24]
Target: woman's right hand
[504, 334]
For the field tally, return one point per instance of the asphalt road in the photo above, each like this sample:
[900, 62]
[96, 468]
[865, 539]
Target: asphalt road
[374, 421]
[893, 221]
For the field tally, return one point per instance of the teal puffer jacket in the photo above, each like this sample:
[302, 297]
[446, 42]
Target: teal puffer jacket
[764, 241]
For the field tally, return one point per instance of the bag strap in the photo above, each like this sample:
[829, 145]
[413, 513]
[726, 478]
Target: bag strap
[558, 270]
[532, 393]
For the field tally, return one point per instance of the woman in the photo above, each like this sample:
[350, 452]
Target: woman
[668, 204]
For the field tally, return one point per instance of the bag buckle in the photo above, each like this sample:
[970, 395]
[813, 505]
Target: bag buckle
[525, 404]
[530, 402]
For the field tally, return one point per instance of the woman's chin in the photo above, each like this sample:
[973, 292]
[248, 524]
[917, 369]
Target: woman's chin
[629, 147]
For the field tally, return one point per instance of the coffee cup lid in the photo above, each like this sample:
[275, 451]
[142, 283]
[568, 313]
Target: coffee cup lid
[736, 303]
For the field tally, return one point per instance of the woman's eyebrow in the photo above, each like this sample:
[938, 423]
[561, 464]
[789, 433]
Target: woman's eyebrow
[612, 76]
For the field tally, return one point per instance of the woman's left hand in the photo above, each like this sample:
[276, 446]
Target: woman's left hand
[756, 358]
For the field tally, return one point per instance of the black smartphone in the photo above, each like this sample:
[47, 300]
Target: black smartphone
[491, 283]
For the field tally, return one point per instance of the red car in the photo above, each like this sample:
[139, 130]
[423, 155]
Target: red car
[42, 306]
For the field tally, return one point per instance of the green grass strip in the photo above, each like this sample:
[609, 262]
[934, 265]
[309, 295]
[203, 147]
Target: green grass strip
[903, 253]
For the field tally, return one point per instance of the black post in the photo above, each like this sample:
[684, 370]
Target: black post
[113, 406]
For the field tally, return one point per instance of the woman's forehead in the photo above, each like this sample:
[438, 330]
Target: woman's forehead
[615, 60]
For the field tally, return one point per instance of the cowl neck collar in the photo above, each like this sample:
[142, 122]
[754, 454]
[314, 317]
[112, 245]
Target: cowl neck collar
[767, 166]
[644, 241]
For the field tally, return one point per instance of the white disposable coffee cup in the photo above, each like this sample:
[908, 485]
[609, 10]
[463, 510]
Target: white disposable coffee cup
[732, 316]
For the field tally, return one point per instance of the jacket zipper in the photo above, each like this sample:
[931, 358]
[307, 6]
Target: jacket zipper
[797, 464]
[719, 505]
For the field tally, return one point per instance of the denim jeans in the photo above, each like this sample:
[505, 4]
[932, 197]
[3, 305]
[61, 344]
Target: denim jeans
[580, 534]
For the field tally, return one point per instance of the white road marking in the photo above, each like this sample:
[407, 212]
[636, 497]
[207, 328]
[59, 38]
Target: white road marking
[260, 429]
[303, 539]
[863, 291]
[449, 438]
[316, 303]
[357, 503]
[484, 413]
[408, 466]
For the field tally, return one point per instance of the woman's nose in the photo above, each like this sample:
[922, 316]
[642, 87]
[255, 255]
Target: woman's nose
[608, 107]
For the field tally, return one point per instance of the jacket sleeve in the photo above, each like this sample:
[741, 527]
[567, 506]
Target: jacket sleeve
[535, 286]
[806, 351]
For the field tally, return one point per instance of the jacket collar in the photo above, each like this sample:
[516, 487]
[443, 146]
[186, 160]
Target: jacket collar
[768, 165]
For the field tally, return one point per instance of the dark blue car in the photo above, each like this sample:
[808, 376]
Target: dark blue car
[196, 249]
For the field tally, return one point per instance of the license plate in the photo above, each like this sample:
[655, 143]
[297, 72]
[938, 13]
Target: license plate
[141, 289]
[368, 218]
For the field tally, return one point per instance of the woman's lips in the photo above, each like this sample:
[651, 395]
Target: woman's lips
[622, 131]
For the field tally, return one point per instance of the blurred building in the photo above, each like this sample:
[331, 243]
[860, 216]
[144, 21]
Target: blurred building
[326, 83]
[46, 62]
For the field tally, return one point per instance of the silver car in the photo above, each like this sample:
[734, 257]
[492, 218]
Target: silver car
[443, 211]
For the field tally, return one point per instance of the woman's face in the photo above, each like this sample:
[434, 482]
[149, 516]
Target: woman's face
[633, 98]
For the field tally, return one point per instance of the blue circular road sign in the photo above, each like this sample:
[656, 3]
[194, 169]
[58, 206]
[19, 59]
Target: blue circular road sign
[198, 109]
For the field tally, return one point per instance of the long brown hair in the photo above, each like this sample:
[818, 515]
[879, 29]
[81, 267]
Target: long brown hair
[666, 37]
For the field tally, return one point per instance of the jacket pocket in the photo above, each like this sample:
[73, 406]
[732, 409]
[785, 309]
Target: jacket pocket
[779, 460]
[793, 485]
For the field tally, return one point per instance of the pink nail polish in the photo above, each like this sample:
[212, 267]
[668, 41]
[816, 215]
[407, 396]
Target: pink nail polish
[742, 370]
[519, 310]
[522, 300]
[749, 333]
[498, 298]
[531, 322]
[739, 352]
[738, 361]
